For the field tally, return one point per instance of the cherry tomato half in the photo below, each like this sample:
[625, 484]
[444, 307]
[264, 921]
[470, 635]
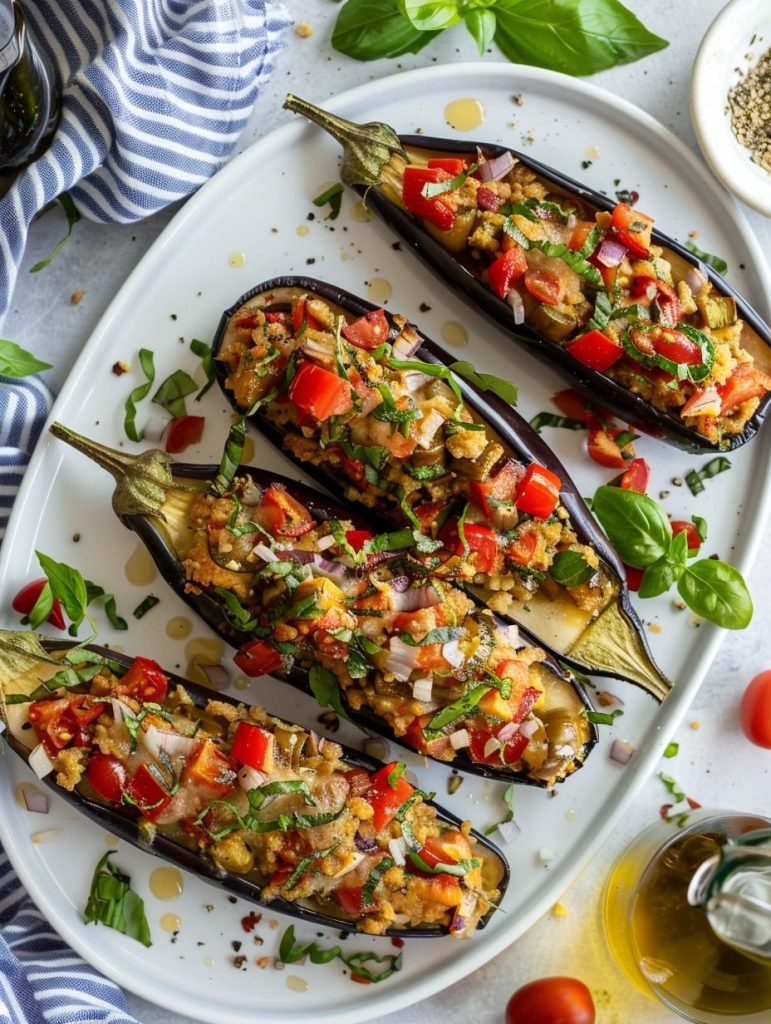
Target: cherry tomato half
[756, 710]
[551, 1001]
[107, 776]
[184, 432]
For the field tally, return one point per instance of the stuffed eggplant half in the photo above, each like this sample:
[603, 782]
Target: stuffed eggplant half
[310, 595]
[337, 383]
[633, 318]
[268, 810]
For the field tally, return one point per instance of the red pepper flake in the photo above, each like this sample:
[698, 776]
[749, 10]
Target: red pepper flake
[250, 922]
[396, 941]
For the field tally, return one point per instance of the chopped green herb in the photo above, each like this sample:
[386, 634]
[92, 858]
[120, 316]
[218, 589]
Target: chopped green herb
[672, 787]
[290, 951]
[551, 419]
[173, 391]
[508, 799]
[73, 216]
[334, 196]
[395, 774]
[17, 362]
[144, 606]
[114, 903]
[505, 389]
[696, 477]
[140, 392]
[96, 593]
[458, 709]
[231, 459]
[368, 891]
[716, 262]
[672, 749]
[305, 864]
[326, 689]
[205, 354]
[602, 717]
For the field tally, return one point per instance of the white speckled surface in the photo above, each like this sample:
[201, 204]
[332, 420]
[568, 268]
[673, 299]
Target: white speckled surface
[715, 764]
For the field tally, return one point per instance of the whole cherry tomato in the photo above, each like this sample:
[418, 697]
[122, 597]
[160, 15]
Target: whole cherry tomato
[551, 1001]
[756, 710]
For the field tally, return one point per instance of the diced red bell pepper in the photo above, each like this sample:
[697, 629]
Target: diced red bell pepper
[107, 776]
[668, 343]
[506, 269]
[501, 487]
[253, 746]
[745, 382]
[664, 294]
[448, 848]
[512, 749]
[538, 492]
[415, 736]
[604, 450]
[481, 540]
[144, 681]
[581, 232]
[368, 331]
[693, 540]
[452, 165]
[257, 658]
[437, 211]
[636, 477]
[319, 393]
[208, 766]
[147, 794]
[427, 514]
[282, 515]
[523, 547]
[59, 722]
[301, 314]
[633, 229]
[183, 432]
[595, 350]
[633, 577]
[349, 898]
[247, 323]
[358, 538]
[543, 286]
[570, 403]
[386, 799]
[27, 597]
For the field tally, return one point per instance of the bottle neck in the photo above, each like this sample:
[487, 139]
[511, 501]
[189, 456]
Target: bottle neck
[734, 890]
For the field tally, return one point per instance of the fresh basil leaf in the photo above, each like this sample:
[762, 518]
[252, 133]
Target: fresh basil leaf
[140, 392]
[672, 787]
[114, 903]
[173, 391]
[17, 362]
[551, 419]
[486, 381]
[42, 608]
[602, 717]
[290, 951]
[637, 527]
[658, 578]
[430, 15]
[334, 196]
[602, 312]
[716, 262]
[570, 569]
[432, 189]
[701, 527]
[695, 478]
[145, 605]
[370, 29]
[73, 216]
[68, 585]
[672, 750]
[508, 799]
[458, 709]
[96, 593]
[238, 616]
[481, 24]
[204, 352]
[716, 591]
[231, 459]
[326, 689]
[573, 36]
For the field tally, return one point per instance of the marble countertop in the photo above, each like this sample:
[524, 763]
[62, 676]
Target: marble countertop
[715, 763]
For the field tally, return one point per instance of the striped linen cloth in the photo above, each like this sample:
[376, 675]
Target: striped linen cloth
[156, 93]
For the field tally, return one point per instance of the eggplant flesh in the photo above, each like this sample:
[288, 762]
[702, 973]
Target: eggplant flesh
[164, 527]
[610, 643]
[380, 185]
[21, 671]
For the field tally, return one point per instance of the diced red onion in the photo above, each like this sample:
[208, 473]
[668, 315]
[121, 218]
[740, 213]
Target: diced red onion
[497, 168]
[40, 762]
[571, 221]
[508, 831]
[464, 910]
[621, 751]
[217, 675]
[399, 584]
[460, 739]
[426, 428]
[251, 778]
[695, 280]
[407, 344]
[318, 351]
[263, 552]
[509, 635]
[452, 653]
[398, 850]
[529, 727]
[610, 252]
[508, 731]
[365, 845]
[400, 920]
[155, 427]
[324, 565]
[414, 598]
[401, 658]
[514, 299]
[119, 710]
[422, 689]
[34, 800]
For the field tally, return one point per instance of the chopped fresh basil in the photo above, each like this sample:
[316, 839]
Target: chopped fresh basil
[238, 616]
[716, 262]
[508, 799]
[205, 354]
[551, 419]
[172, 393]
[696, 477]
[395, 774]
[458, 709]
[505, 389]
[73, 216]
[334, 196]
[112, 902]
[144, 606]
[603, 311]
[290, 951]
[602, 717]
[368, 891]
[439, 635]
[432, 189]
[231, 459]
[430, 472]
[305, 864]
[672, 787]
[570, 569]
[326, 689]
[138, 393]
[701, 527]
[672, 749]
[17, 362]
[96, 593]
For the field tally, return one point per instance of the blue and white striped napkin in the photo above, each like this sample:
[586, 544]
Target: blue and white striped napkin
[156, 93]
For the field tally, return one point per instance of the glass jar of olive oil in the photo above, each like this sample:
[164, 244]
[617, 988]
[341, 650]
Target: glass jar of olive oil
[687, 916]
[29, 94]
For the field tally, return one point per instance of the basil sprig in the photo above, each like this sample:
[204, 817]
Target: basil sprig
[206, 355]
[114, 903]
[576, 37]
[641, 533]
[575, 260]
[290, 951]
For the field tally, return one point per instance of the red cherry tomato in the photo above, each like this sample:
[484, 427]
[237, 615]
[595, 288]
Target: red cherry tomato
[756, 710]
[551, 1001]
[368, 331]
[107, 776]
[183, 432]
[25, 601]
[145, 681]
[542, 286]
[692, 537]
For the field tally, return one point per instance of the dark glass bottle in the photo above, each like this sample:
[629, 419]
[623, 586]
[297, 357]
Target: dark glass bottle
[29, 94]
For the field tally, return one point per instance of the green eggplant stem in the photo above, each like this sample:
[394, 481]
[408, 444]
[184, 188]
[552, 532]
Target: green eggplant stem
[367, 148]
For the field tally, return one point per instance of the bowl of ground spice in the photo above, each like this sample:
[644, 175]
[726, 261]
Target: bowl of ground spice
[731, 100]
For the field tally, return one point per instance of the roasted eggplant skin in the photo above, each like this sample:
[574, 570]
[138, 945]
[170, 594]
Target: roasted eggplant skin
[596, 386]
[156, 540]
[124, 822]
[515, 431]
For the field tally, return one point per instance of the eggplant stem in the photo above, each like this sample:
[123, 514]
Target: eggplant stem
[142, 482]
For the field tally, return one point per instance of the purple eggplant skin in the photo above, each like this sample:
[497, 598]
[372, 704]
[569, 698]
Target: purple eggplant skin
[321, 507]
[595, 385]
[513, 428]
[124, 822]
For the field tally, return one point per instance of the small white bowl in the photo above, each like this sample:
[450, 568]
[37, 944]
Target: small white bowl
[727, 53]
